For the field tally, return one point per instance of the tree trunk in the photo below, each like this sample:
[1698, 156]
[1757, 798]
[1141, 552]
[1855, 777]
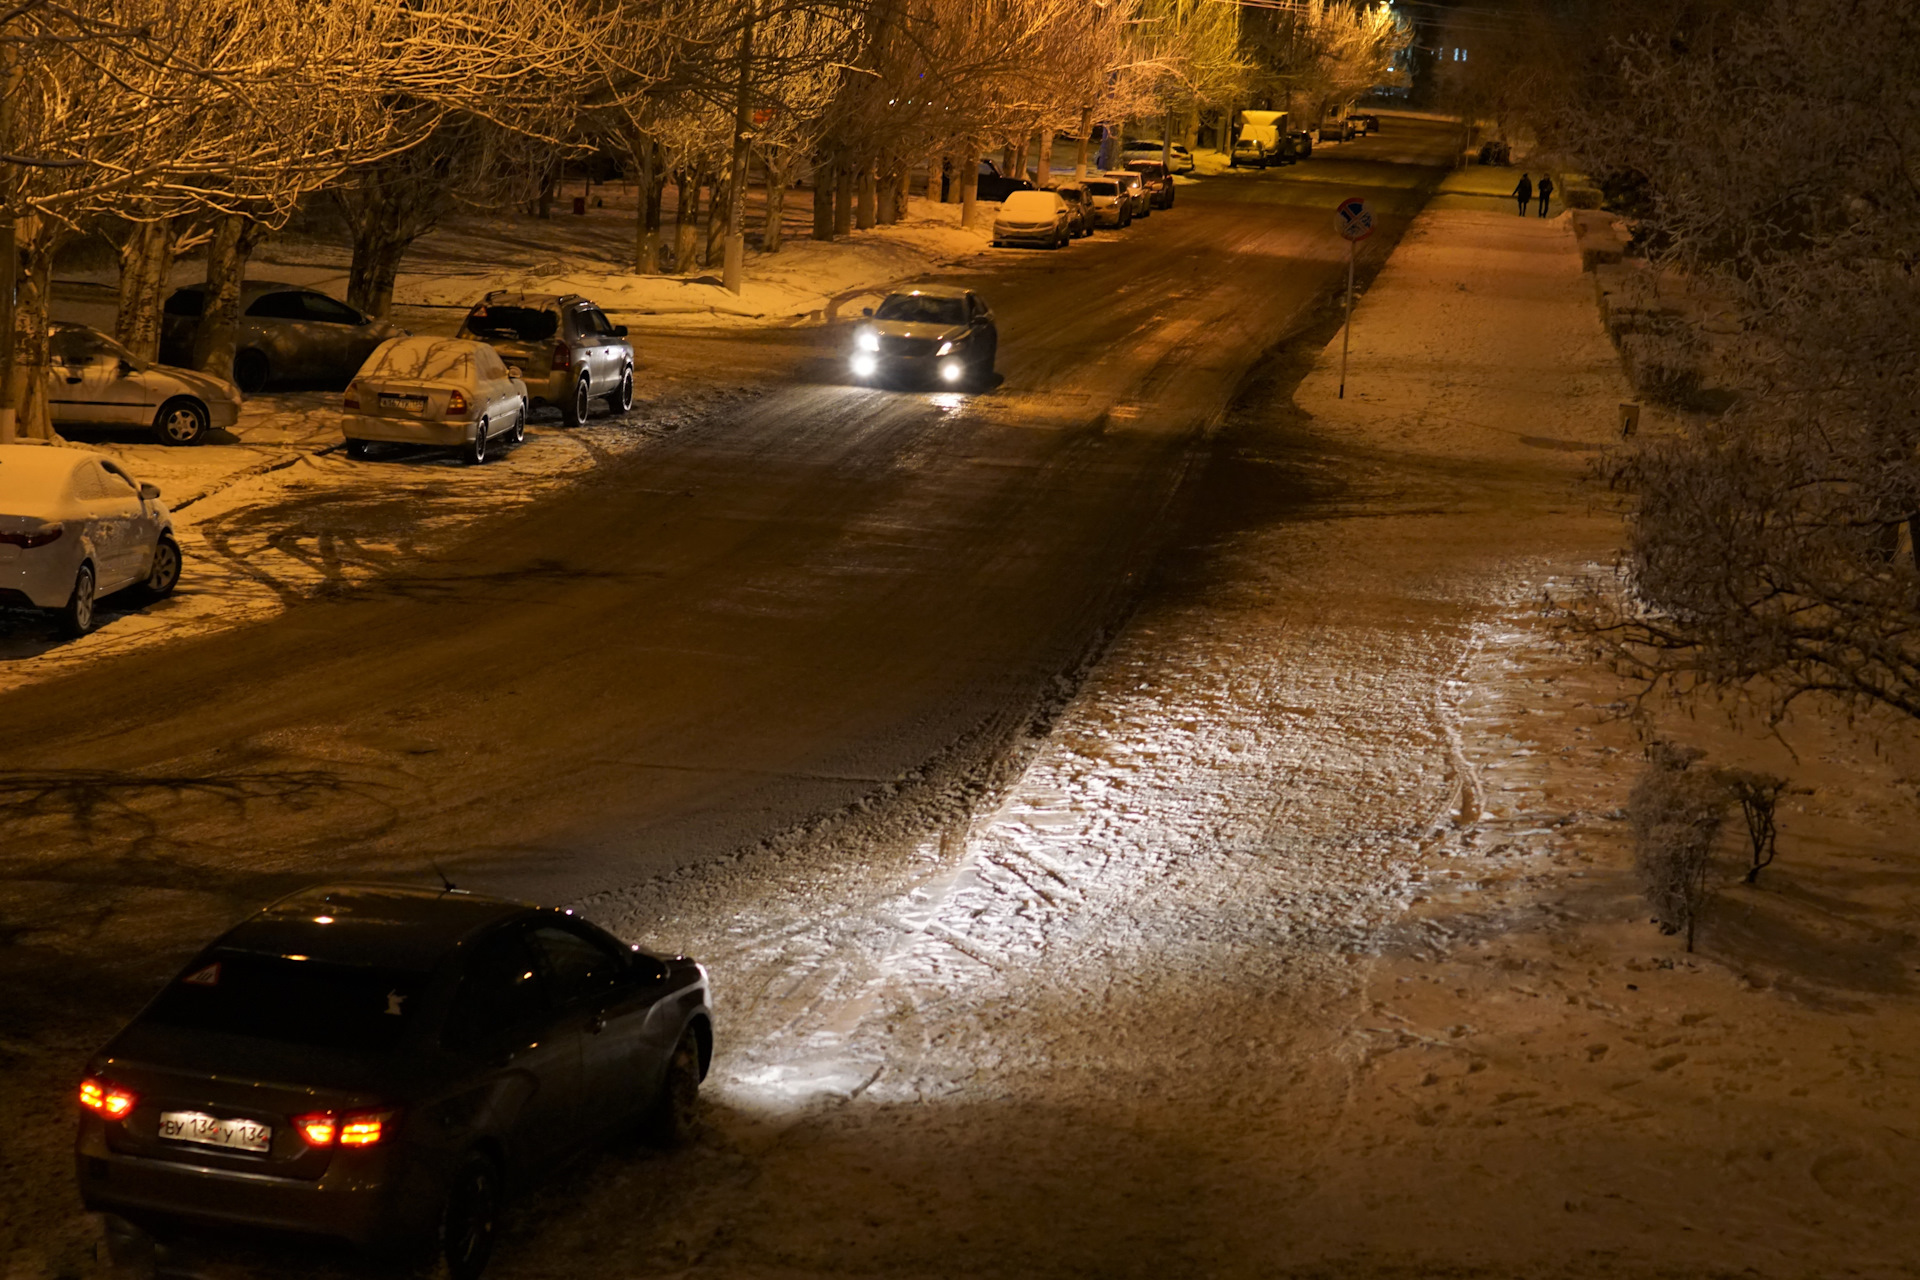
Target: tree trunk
[903, 203]
[146, 265]
[934, 168]
[719, 200]
[778, 176]
[1086, 133]
[842, 199]
[646, 227]
[33, 291]
[215, 339]
[886, 196]
[686, 220]
[864, 196]
[1046, 157]
[969, 188]
[544, 206]
[377, 251]
[823, 200]
[1019, 169]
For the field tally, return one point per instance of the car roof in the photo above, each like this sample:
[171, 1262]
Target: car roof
[386, 925]
[532, 301]
[934, 290]
[42, 460]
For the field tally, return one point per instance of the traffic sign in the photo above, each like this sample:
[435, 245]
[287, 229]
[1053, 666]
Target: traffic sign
[1356, 218]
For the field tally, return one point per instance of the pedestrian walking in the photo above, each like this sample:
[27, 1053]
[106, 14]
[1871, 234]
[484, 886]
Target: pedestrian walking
[1524, 193]
[1546, 193]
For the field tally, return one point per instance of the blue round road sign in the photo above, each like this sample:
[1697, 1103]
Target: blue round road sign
[1356, 218]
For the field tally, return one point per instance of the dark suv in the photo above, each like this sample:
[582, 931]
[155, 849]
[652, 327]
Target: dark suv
[379, 1063]
[1158, 181]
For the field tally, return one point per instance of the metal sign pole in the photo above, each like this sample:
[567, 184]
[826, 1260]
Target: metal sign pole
[1346, 339]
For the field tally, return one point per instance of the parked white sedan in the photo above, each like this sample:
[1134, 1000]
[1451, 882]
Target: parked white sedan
[450, 392]
[75, 527]
[94, 381]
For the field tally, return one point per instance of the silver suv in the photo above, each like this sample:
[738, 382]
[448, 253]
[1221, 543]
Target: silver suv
[568, 353]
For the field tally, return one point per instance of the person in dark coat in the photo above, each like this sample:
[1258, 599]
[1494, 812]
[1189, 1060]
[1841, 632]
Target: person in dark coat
[1546, 193]
[1524, 193]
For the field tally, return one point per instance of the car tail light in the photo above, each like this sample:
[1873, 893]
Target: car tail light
[38, 538]
[456, 404]
[562, 356]
[105, 1099]
[354, 1129]
[352, 398]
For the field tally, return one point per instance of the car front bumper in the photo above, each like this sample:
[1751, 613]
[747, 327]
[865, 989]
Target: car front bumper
[1027, 235]
[444, 433]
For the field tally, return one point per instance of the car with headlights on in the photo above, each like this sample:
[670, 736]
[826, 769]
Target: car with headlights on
[569, 353]
[74, 527]
[1247, 153]
[450, 393]
[1038, 218]
[383, 1064]
[93, 381]
[1111, 203]
[286, 333]
[1158, 181]
[925, 333]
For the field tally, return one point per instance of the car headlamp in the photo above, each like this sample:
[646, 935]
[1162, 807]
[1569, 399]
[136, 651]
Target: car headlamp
[946, 348]
[867, 340]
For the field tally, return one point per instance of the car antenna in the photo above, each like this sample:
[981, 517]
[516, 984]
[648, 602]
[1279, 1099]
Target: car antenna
[448, 886]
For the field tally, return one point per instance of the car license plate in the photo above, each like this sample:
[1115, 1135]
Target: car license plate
[412, 404]
[211, 1131]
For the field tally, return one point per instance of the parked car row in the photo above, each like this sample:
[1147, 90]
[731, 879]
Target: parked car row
[1050, 218]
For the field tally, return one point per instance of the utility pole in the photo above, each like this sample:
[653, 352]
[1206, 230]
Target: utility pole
[735, 269]
[9, 250]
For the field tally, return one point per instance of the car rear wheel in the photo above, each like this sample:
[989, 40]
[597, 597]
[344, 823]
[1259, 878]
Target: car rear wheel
[251, 370]
[476, 451]
[76, 615]
[620, 399]
[358, 449]
[181, 421]
[164, 575]
[673, 1114]
[575, 413]
[470, 1218]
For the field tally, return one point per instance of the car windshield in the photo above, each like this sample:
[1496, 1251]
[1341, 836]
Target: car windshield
[422, 361]
[518, 324]
[922, 308]
[1103, 189]
[290, 1000]
[84, 346]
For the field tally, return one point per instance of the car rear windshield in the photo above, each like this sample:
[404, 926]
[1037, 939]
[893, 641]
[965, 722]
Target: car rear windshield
[422, 361]
[292, 1001]
[920, 308]
[512, 324]
[1103, 189]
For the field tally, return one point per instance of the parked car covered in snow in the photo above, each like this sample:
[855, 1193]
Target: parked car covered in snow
[1079, 208]
[1033, 217]
[1136, 188]
[924, 331]
[568, 352]
[453, 393]
[94, 381]
[1247, 154]
[75, 527]
[1112, 205]
[287, 333]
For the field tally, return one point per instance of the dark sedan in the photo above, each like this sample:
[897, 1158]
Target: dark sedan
[380, 1063]
[286, 334]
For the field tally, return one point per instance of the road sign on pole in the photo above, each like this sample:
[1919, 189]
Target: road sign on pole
[1354, 217]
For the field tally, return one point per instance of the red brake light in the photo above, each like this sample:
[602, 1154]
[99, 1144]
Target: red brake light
[318, 1129]
[354, 1129]
[38, 538]
[562, 356]
[456, 403]
[352, 398]
[105, 1099]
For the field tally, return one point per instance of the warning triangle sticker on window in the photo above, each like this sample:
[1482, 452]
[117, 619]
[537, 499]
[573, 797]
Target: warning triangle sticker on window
[207, 977]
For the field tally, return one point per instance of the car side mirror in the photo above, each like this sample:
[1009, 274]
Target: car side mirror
[126, 368]
[866, 311]
[513, 371]
[619, 331]
[148, 492]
